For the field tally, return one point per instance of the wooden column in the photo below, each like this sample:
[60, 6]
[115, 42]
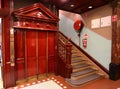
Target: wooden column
[8, 67]
[114, 67]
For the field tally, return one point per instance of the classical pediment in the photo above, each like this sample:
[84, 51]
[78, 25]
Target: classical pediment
[35, 16]
[36, 11]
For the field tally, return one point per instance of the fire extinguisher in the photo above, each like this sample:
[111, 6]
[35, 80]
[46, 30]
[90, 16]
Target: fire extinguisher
[85, 40]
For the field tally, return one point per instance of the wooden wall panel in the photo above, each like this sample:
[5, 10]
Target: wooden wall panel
[42, 59]
[31, 53]
[19, 54]
[51, 51]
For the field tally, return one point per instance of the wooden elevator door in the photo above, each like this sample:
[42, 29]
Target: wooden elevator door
[34, 53]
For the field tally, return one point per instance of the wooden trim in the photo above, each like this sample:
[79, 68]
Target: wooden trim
[90, 57]
[29, 28]
[25, 56]
[37, 54]
[47, 54]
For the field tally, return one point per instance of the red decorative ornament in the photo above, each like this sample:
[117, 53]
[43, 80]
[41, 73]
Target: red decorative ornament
[78, 25]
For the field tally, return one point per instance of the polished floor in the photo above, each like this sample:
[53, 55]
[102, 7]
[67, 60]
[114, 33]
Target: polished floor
[98, 84]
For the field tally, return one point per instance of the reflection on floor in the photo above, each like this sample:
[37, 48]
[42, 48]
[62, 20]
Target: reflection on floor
[98, 84]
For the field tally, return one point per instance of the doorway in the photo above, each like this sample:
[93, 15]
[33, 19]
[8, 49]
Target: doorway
[34, 53]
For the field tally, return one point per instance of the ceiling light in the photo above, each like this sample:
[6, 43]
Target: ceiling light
[72, 5]
[90, 7]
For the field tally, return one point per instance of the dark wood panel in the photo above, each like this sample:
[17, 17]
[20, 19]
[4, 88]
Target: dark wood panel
[42, 45]
[19, 43]
[31, 53]
[19, 54]
[8, 70]
[20, 69]
[31, 43]
[51, 51]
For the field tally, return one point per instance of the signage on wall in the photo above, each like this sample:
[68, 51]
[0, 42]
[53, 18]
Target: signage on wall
[95, 23]
[101, 22]
[106, 21]
[114, 18]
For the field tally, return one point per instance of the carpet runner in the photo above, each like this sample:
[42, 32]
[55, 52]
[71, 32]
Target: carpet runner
[49, 83]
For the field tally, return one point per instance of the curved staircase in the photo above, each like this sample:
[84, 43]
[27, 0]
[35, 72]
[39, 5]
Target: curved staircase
[84, 70]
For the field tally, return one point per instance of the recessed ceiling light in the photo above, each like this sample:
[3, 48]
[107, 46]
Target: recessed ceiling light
[72, 5]
[90, 7]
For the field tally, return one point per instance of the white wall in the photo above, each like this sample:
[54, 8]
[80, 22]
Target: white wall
[97, 46]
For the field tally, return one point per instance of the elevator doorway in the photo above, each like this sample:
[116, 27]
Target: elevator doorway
[34, 53]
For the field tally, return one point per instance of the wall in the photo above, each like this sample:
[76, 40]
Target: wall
[99, 40]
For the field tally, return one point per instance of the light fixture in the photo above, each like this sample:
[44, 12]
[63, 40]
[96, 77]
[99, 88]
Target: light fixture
[72, 5]
[90, 7]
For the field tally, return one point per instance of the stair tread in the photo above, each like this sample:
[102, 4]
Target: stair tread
[74, 51]
[82, 72]
[83, 80]
[79, 60]
[75, 56]
[80, 65]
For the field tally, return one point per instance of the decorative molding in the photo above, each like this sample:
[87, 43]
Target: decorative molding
[35, 16]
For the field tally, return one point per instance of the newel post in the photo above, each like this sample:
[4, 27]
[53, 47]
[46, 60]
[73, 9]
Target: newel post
[68, 60]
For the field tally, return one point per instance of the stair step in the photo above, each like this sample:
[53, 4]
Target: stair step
[82, 72]
[75, 56]
[80, 66]
[74, 51]
[83, 80]
[78, 63]
[79, 60]
[79, 69]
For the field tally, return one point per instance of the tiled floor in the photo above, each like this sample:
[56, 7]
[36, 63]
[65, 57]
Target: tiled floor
[98, 84]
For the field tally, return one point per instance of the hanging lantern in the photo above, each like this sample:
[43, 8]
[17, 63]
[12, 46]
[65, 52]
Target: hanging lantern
[78, 25]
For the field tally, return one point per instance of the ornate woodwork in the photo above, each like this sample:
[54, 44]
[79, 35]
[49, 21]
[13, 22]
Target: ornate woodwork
[34, 27]
[64, 67]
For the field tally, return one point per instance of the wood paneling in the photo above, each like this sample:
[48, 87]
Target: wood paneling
[31, 53]
[20, 54]
[51, 51]
[28, 61]
[38, 27]
[42, 59]
[8, 70]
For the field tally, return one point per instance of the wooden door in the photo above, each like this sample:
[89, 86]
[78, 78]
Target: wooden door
[51, 51]
[30, 53]
[20, 54]
[34, 53]
[42, 52]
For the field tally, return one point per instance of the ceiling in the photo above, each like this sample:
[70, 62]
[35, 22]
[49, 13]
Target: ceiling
[77, 6]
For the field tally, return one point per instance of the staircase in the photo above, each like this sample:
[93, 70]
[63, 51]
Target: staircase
[83, 69]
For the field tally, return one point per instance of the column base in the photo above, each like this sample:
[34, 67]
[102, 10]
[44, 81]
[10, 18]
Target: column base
[114, 71]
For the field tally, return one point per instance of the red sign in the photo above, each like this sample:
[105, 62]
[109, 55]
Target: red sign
[114, 18]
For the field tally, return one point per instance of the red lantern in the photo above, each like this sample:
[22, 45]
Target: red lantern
[78, 25]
